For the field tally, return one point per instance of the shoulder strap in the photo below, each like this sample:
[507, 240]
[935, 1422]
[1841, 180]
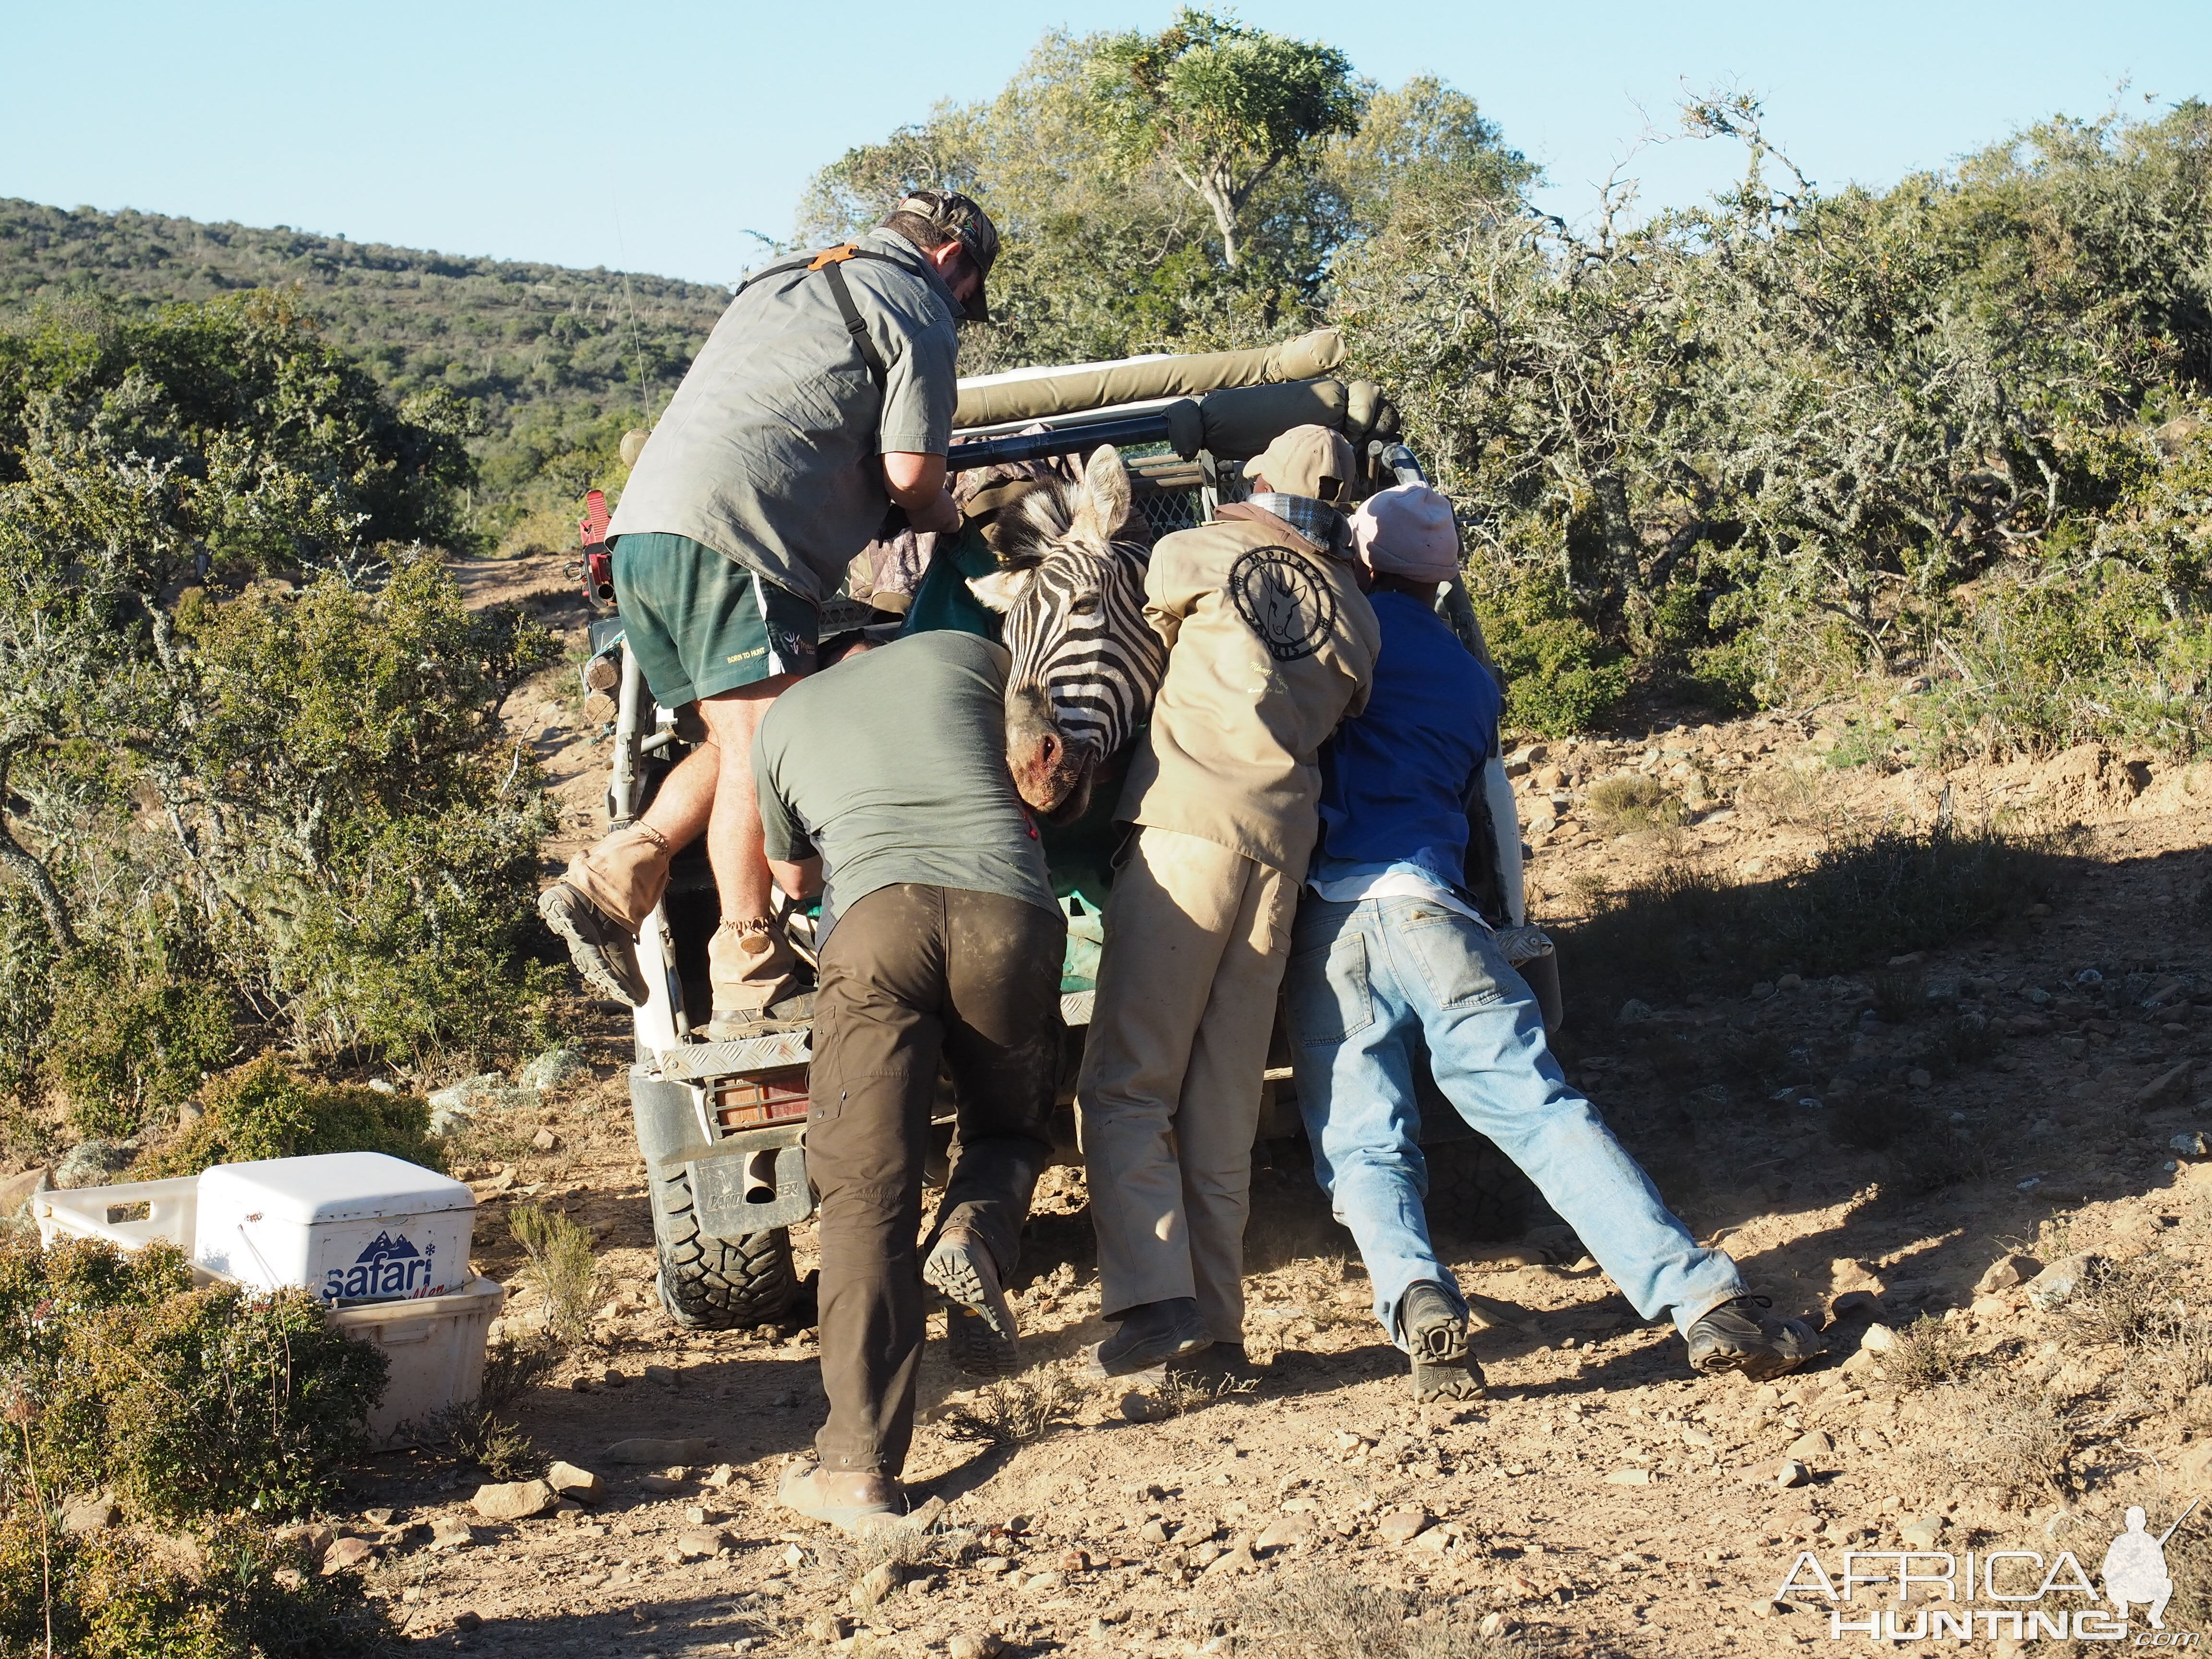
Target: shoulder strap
[827, 262]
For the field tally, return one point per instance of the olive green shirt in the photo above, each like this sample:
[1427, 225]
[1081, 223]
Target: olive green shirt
[892, 766]
[770, 452]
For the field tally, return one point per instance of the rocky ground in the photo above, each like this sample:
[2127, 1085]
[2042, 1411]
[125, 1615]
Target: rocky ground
[1904, 1188]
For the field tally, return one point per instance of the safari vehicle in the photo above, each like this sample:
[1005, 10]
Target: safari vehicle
[721, 1125]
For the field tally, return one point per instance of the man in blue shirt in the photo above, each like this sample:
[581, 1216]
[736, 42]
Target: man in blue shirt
[1389, 955]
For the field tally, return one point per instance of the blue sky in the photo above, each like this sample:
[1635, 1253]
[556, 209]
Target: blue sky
[651, 137]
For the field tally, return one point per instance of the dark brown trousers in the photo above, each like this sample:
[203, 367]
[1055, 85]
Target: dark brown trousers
[910, 975]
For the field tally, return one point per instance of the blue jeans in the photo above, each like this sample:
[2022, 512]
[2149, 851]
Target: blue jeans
[1368, 984]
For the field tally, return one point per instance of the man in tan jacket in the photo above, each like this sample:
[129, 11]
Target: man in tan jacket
[1271, 643]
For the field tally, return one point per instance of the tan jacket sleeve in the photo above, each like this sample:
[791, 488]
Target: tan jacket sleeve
[1174, 581]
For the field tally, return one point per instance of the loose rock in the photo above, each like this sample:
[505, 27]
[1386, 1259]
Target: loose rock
[572, 1482]
[1629, 1477]
[1812, 1447]
[2006, 1272]
[546, 1140]
[1402, 1526]
[87, 1515]
[2165, 1086]
[1792, 1473]
[656, 1453]
[696, 1543]
[877, 1582]
[965, 1645]
[92, 1163]
[2056, 1285]
[348, 1553]
[513, 1500]
[1879, 1338]
[1230, 1561]
[551, 1069]
[1287, 1530]
[450, 1531]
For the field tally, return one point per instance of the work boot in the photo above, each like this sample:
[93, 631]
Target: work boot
[1435, 1332]
[604, 953]
[979, 1324]
[1153, 1333]
[851, 1500]
[1738, 1336]
[751, 968]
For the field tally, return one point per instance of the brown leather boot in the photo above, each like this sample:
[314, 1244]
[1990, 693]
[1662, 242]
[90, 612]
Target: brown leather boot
[851, 1500]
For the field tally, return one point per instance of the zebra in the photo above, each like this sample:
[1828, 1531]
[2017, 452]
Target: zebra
[1087, 664]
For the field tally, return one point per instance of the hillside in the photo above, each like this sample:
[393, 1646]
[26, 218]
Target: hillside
[559, 361]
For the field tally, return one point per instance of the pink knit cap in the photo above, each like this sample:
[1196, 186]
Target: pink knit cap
[1406, 531]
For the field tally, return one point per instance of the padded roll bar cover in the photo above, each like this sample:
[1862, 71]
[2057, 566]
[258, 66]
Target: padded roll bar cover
[1102, 385]
[1242, 422]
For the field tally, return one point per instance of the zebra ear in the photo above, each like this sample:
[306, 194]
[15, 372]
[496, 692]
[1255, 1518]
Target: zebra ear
[1103, 501]
[1001, 589]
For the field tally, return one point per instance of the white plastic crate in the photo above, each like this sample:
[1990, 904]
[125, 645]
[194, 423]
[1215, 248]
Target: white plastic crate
[351, 1227]
[435, 1344]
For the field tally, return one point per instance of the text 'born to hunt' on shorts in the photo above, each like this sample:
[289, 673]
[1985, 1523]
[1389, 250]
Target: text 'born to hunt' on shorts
[702, 624]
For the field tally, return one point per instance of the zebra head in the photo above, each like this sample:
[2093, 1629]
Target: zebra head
[1087, 664]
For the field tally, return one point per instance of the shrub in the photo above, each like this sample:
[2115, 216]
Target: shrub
[238, 1593]
[1621, 805]
[133, 1043]
[264, 1109]
[561, 1269]
[186, 1404]
[1559, 677]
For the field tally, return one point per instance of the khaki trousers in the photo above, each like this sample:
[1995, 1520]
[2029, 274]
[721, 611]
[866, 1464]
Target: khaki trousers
[1196, 939]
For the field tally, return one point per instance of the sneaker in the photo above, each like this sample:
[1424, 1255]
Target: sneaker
[603, 950]
[979, 1324]
[1738, 1335]
[1153, 1333]
[1435, 1329]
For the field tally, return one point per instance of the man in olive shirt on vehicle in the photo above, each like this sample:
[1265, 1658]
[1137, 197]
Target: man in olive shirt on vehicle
[942, 939]
[824, 395]
[1270, 644]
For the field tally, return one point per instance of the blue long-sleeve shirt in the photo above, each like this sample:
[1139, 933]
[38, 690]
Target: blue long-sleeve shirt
[1394, 781]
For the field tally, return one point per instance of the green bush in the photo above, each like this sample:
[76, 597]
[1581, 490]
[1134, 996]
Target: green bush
[1559, 677]
[130, 1044]
[238, 1593]
[264, 1109]
[186, 1405]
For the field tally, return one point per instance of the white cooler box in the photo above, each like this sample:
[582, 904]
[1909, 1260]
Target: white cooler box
[435, 1343]
[353, 1228]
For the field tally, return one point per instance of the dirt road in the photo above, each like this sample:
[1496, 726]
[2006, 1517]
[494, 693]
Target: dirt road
[1603, 1501]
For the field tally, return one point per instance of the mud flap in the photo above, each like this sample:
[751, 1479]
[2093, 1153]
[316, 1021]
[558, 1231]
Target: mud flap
[748, 1190]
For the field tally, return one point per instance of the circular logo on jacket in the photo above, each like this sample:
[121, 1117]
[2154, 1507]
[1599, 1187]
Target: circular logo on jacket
[1284, 601]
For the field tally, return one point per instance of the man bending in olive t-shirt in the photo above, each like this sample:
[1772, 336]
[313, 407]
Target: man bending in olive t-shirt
[887, 775]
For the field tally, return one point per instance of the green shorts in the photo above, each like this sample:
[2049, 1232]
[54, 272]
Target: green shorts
[702, 624]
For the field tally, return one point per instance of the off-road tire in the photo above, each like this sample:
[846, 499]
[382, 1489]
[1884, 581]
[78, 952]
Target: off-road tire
[709, 1283]
[1477, 1193]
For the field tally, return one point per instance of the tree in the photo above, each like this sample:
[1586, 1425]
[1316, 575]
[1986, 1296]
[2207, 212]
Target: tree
[1222, 104]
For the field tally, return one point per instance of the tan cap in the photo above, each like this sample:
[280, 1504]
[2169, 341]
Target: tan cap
[1406, 531]
[949, 210]
[1307, 460]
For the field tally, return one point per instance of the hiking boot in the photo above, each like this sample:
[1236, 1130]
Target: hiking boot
[979, 1325]
[1153, 1333]
[605, 952]
[1738, 1336]
[851, 1500]
[1435, 1331]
